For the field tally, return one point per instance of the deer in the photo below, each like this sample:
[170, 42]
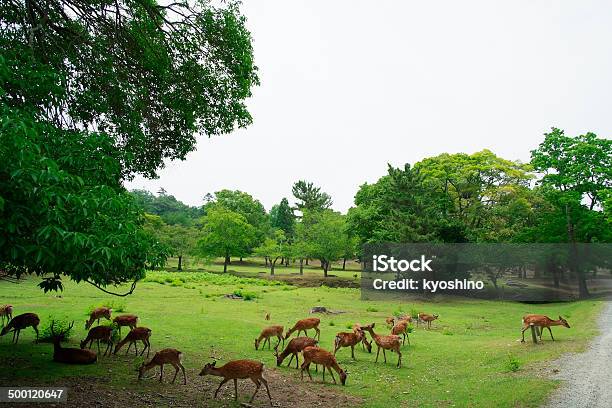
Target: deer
[401, 328]
[97, 314]
[6, 312]
[426, 318]
[304, 325]
[294, 347]
[365, 344]
[21, 322]
[129, 320]
[390, 342]
[69, 355]
[390, 321]
[350, 339]
[104, 333]
[235, 370]
[166, 356]
[317, 355]
[541, 322]
[267, 316]
[139, 333]
[267, 333]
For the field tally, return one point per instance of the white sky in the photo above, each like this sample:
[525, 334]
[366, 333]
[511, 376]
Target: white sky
[349, 86]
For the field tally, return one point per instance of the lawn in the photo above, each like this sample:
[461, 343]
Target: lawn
[462, 361]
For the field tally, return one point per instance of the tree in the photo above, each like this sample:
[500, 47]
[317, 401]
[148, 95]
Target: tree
[282, 217]
[91, 96]
[309, 197]
[225, 233]
[323, 235]
[274, 248]
[180, 240]
[168, 207]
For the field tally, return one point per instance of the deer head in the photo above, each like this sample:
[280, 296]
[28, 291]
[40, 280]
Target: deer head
[564, 322]
[208, 368]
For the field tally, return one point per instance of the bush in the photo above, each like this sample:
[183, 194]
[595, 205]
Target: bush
[512, 363]
[332, 323]
[245, 295]
[176, 282]
[371, 309]
[414, 313]
[59, 325]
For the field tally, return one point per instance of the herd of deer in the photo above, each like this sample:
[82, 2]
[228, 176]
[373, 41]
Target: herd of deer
[241, 369]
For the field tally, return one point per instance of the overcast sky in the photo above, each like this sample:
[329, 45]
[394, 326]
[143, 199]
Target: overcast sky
[349, 86]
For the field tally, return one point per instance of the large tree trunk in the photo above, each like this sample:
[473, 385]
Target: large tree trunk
[225, 262]
[301, 266]
[272, 264]
[325, 265]
[180, 263]
[306, 261]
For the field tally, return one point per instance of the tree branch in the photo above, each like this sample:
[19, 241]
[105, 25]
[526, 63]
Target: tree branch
[113, 293]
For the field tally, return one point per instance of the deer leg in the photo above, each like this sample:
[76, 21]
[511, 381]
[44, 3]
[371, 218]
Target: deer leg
[161, 372]
[279, 341]
[184, 376]
[128, 349]
[399, 359]
[14, 333]
[257, 385]
[290, 360]
[385, 356]
[318, 334]
[107, 348]
[265, 382]
[408, 337]
[377, 353]
[331, 372]
[18, 332]
[235, 389]
[176, 370]
[98, 342]
[220, 385]
[551, 336]
[523, 333]
[353, 352]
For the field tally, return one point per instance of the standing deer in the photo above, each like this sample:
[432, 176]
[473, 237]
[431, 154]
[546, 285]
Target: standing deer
[541, 322]
[69, 355]
[390, 342]
[401, 328]
[166, 356]
[304, 325]
[317, 355]
[104, 333]
[365, 344]
[6, 312]
[267, 333]
[350, 339]
[294, 347]
[137, 334]
[129, 320]
[238, 369]
[19, 323]
[97, 314]
[426, 318]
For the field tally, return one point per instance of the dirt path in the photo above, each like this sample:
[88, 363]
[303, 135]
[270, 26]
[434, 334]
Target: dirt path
[587, 376]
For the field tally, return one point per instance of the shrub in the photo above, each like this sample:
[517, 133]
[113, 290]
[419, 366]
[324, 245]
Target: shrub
[414, 313]
[245, 295]
[59, 325]
[332, 323]
[512, 363]
[371, 309]
[176, 282]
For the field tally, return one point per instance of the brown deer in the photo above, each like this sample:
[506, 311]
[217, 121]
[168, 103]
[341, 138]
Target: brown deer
[426, 318]
[390, 342]
[317, 355]
[304, 325]
[267, 333]
[6, 312]
[137, 334]
[166, 356]
[19, 323]
[235, 370]
[69, 355]
[97, 314]
[129, 320]
[401, 328]
[104, 333]
[294, 347]
[365, 344]
[350, 339]
[541, 322]
[390, 321]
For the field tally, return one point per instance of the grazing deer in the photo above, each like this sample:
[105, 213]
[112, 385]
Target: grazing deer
[69, 355]
[317, 355]
[365, 344]
[541, 322]
[350, 339]
[401, 328]
[97, 314]
[238, 369]
[104, 333]
[139, 333]
[390, 321]
[294, 347]
[390, 342]
[166, 356]
[126, 320]
[6, 312]
[267, 333]
[304, 325]
[426, 318]
[19, 323]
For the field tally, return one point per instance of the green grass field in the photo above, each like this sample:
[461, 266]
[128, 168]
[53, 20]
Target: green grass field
[462, 361]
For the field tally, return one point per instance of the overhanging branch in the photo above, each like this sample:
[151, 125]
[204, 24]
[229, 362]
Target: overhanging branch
[113, 293]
